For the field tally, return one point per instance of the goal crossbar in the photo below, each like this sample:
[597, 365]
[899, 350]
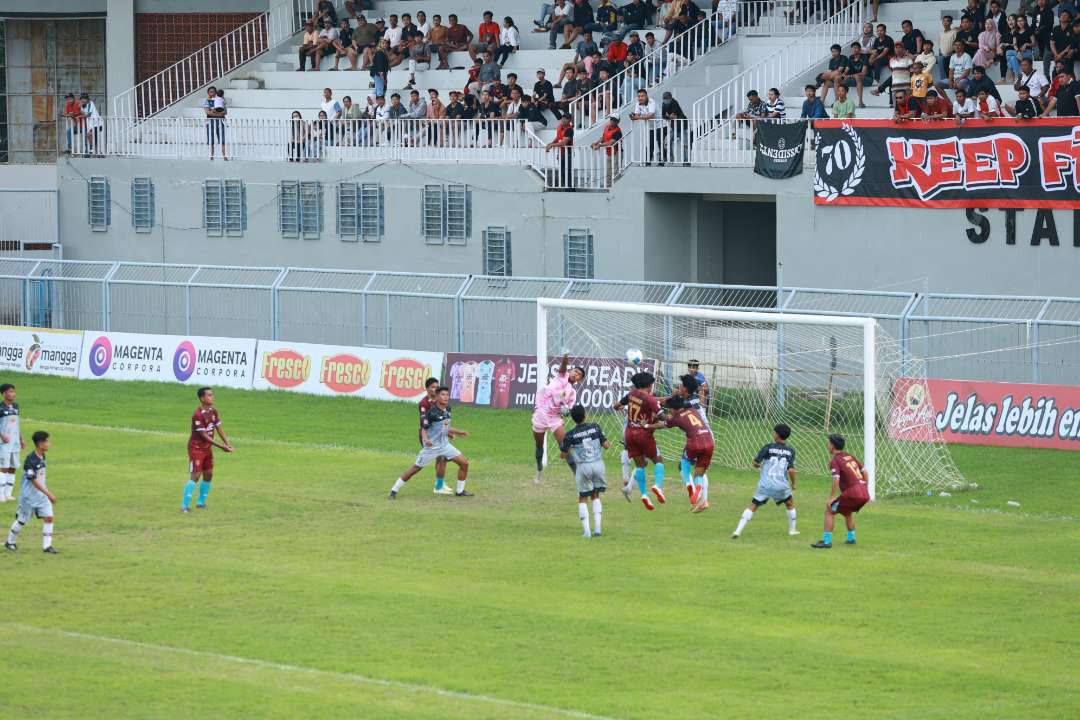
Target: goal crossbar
[868, 325]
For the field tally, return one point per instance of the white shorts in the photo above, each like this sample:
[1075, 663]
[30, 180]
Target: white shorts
[33, 504]
[777, 492]
[429, 455]
[9, 458]
[542, 422]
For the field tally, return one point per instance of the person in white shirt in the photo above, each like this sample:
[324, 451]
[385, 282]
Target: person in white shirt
[92, 123]
[324, 45]
[1034, 79]
[987, 106]
[648, 114]
[214, 109]
[774, 106]
[724, 18]
[393, 31]
[509, 41]
[333, 111]
[959, 67]
[422, 23]
[963, 107]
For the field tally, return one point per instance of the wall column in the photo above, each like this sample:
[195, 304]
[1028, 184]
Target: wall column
[120, 61]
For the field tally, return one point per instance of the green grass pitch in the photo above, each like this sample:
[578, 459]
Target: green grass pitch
[303, 593]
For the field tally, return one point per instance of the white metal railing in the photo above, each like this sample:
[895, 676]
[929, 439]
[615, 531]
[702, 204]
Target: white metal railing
[778, 17]
[716, 129]
[307, 139]
[620, 90]
[210, 63]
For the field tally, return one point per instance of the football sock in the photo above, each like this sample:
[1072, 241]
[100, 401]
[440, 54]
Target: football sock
[704, 480]
[826, 538]
[791, 520]
[460, 486]
[851, 535]
[583, 515]
[189, 488]
[747, 516]
[439, 482]
[13, 533]
[596, 511]
[204, 490]
[398, 484]
[639, 477]
[684, 469]
[539, 458]
[658, 475]
[46, 536]
[625, 458]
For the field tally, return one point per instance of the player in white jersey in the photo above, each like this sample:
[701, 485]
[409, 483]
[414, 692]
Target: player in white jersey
[555, 399]
[11, 442]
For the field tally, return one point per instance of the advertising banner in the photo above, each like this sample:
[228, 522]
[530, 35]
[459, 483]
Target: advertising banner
[35, 350]
[374, 373]
[225, 362]
[1002, 163]
[987, 413]
[778, 149]
[509, 381]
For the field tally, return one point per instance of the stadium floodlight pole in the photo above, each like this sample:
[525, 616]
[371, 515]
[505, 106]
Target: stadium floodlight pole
[868, 325]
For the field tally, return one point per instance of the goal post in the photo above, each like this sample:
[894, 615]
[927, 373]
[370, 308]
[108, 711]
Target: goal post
[818, 373]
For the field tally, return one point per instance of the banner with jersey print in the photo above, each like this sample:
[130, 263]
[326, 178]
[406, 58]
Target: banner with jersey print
[1002, 163]
[509, 381]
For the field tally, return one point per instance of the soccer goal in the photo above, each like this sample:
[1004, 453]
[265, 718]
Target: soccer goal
[818, 374]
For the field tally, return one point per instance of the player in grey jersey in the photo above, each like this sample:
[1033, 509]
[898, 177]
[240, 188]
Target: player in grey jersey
[11, 442]
[35, 499]
[585, 445]
[436, 434]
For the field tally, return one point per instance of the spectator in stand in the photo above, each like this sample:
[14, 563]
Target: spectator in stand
[866, 40]
[774, 105]
[981, 81]
[570, 91]
[997, 14]
[417, 110]
[562, 21]
[488, 73]
[351, 115]
[214, 109]
[511, 107]
[553, 14]
[487, 37]
[609, 141]
[533, 115]
[880, 53]
[397, 109]
[581, 18]
[927, 57]
[912, 39]
[436, 42]
[564, 144]
[509, 41]
[946, 41]
[959, 67]
[836, 72]
[320, 131]
[1062, 47]
[921, 82]
[1027, 105]
[585, 49]
[648, 114]
[899, 71]
[380, 67]
[969, 36]
[298, 138]
[344, 47]
[1007, 46]
[1075, 39]
[325, 11]
[331, 110]
[74, 126]
[308, 44]
[544, 94]
[635, 49]
[616, 55]
[1042, 25]
[812, 108]
[906, 109]
[974, 13]
[986, 106]
[324, 45]
[937, 107]
[422, 25]
[1063, 100]
[1023, 46]
[680, 134]
[458, 37]
[755, 109]
[724, 18]
[632, 16]
[678, 19]
[605, 19]
[393, 33]
[963, 107]
[989, 44]
[842, 107]
[856, 70]
[419, 54]
[351, 6]
[365, 35]
[1034, 80]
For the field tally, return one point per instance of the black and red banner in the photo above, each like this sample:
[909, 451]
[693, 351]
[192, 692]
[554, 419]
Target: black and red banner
[982, 163]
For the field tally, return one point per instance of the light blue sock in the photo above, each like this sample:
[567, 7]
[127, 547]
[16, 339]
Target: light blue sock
[204, 490]
[684, 469]
[189, 487]
[699, 480]
[639, 476]
[439, 482]
[826, 538]
[851, 535]
[658, 475]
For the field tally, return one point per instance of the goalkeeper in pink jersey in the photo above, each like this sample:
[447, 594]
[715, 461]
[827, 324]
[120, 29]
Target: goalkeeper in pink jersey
[555, 399]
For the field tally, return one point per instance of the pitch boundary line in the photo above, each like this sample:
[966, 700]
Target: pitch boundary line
[301, 669]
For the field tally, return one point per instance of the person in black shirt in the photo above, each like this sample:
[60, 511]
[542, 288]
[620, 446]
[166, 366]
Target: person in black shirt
[1042, 23]
[1064, 100]
[1026, 107]
[544, 94]
[981, 81]
[881, 52]
[912, 39]
[998, 16]
[1062, 47]
[973, 13]
[455, 109]
[836, 73]
[969, 35]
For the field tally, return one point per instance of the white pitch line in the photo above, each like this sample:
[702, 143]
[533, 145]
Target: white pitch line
[285, 667]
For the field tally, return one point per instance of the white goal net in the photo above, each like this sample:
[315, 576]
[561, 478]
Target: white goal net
[816, 374]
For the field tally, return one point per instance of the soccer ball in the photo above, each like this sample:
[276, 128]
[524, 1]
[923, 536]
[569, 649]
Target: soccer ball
[634, 356]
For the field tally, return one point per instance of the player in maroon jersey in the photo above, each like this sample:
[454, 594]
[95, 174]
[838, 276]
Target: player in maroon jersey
[689, 417]
[849, 492]
[642, 407]
[431, 385]
[205, 422]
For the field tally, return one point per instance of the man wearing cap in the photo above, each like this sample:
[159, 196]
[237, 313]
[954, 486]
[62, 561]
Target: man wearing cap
[310, 41]
[609, 141]
[680, 129]
[564, 143]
